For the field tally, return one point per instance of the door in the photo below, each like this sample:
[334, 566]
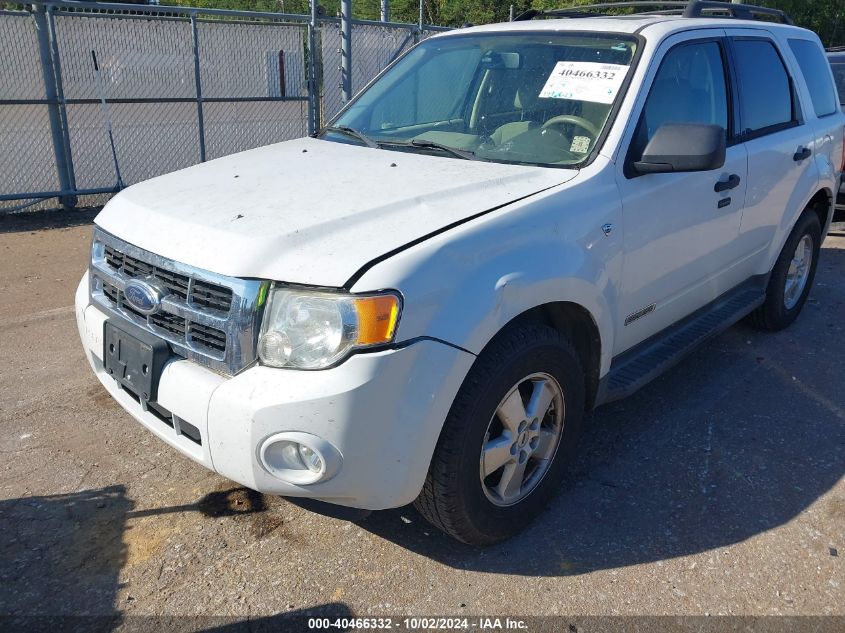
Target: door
[680, 229]
[780, 144]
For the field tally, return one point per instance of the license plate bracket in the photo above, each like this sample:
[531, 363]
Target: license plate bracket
[134, 358]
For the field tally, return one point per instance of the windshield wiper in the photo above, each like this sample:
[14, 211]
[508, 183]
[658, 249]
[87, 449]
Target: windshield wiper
[460, 153]
[421, 143]
[348, 131]
[425, 144]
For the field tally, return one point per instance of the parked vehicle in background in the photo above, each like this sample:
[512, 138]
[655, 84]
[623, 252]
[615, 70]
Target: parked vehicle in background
[513, 224]
[836, 56]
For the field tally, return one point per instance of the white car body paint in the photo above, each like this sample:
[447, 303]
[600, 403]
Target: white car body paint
[382, 411]
[470, 246]
[308, 211]
[491, 281]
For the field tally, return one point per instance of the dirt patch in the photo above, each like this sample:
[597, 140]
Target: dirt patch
[238, 502]
[836, 510]
[99, 397]
[231, 501]
[42, 270]
[144, 540]
[264, 524]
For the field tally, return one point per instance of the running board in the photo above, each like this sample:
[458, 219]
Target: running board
[640, 365]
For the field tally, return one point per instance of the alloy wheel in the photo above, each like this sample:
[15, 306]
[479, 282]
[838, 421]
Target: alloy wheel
[522, 439]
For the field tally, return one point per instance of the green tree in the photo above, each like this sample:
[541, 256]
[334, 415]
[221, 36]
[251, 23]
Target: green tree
[825, 17]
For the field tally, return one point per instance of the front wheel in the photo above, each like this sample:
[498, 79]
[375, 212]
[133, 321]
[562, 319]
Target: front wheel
[508, 438]
[792, 276]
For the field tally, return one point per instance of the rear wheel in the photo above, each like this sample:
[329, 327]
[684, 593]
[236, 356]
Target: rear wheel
[792, 276]
[508, 438]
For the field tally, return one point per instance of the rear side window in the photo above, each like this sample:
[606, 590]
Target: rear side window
[814, 67]
[764, 87]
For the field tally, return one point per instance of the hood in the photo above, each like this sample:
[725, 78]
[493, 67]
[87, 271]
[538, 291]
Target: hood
[310, 211]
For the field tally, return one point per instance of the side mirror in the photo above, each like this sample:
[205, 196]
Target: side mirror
[679, 147]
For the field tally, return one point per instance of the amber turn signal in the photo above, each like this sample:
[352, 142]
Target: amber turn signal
[377, 317]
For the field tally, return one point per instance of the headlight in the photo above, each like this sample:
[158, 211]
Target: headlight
[306, 329]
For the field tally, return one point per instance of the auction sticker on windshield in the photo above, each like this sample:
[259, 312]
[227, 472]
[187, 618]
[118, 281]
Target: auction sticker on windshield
[584, 81]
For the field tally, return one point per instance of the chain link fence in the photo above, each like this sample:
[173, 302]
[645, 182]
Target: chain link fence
[373, 47]
[95, 97]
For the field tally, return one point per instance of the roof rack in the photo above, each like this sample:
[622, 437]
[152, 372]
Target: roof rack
[836, 49]
[684, 8]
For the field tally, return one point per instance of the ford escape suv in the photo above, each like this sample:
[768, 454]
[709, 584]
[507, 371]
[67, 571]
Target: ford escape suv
[512, 224]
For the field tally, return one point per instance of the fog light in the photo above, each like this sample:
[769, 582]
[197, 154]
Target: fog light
[311, 459]
[299, 458]
[289, 455]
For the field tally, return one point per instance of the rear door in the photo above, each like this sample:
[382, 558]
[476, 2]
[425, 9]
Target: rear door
[779, 140]
[822, 102]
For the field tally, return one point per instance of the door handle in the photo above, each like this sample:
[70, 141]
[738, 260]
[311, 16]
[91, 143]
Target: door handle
[803, 153]
[724, 185]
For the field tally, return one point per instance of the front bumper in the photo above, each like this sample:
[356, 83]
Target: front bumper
[382, 411]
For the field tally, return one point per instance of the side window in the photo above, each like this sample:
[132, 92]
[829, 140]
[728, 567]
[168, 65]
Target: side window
[764, 87]
[689, 88]
[814, 67]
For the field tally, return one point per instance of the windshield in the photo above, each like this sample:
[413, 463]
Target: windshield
[517, 98]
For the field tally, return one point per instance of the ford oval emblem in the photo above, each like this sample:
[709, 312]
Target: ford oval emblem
[143, 296]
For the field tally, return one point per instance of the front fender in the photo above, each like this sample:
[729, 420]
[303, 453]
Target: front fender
[464, 285]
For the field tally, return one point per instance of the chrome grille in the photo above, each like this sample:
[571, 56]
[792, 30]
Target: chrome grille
[207, 337]
[209, 318]
[211, 296]
[134, 267]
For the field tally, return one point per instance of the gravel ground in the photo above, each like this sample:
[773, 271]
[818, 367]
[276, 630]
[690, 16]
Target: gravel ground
[717, 489]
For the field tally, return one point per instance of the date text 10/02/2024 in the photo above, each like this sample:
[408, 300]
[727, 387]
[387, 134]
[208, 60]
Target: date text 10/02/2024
[418, 623]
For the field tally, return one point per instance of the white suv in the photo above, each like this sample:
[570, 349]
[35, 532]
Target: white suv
[512, 224]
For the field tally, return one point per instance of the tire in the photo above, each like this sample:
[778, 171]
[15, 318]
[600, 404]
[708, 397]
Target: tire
[781, 307]
[456, 497]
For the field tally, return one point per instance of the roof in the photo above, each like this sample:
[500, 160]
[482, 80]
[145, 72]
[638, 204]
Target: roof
[685, 8]
[648, 25]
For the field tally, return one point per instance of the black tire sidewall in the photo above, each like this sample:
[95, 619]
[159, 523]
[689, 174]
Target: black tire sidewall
[548, 354]
[808, 224]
